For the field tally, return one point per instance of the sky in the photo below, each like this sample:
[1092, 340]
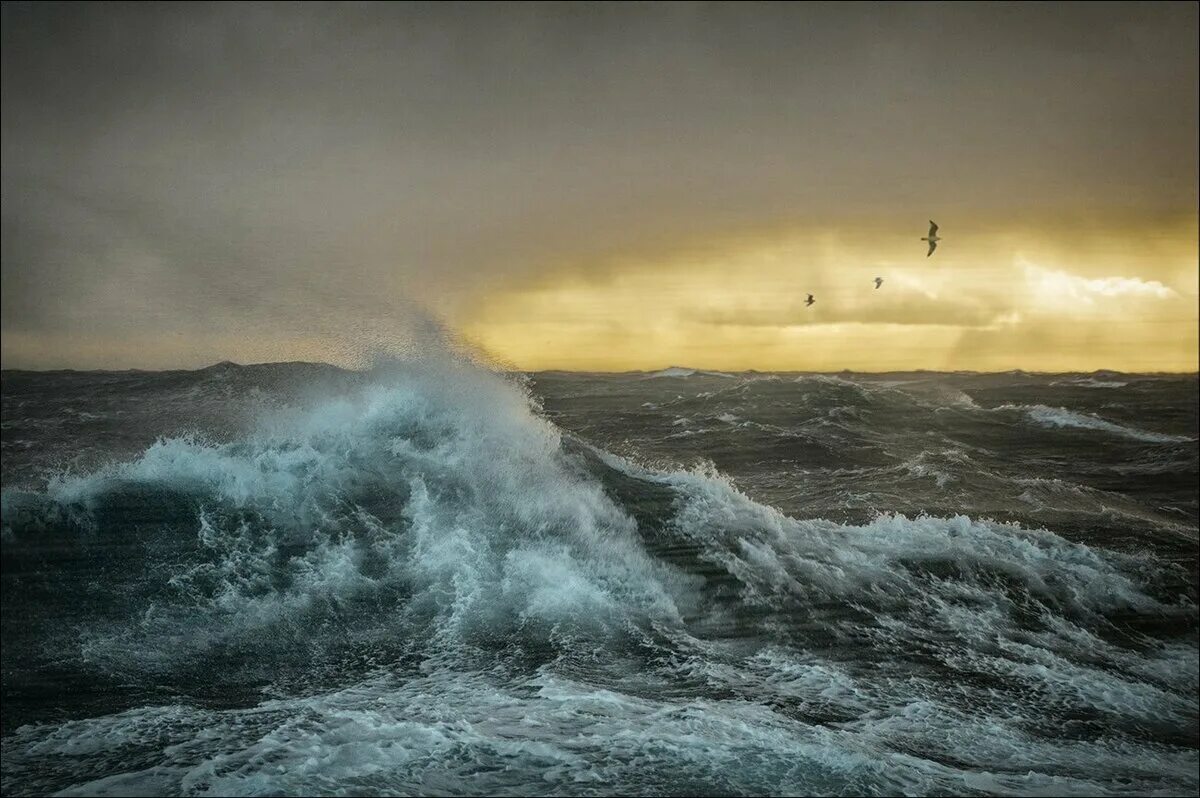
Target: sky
[601, 187]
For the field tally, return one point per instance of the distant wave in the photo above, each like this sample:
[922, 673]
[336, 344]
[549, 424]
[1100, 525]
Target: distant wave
[1090, 382]
[1061, 417]
[679, 371]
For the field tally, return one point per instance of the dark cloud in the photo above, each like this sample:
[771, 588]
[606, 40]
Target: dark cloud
[260, 167]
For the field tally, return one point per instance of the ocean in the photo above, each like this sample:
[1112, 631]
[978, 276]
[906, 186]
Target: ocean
[431, 578]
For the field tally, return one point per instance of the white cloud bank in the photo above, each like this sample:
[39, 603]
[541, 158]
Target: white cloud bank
[1053, 286]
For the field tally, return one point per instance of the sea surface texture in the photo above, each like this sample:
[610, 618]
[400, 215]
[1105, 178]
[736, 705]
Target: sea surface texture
[428, 578]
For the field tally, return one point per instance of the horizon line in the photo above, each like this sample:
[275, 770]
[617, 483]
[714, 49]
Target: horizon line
[698, 370]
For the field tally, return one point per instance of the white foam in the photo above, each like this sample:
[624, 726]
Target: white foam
[457, 733]
[1090, 382]
[480, 513]
[1061, 417]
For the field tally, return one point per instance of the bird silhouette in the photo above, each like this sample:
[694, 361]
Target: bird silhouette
[809, 301]
[933, 238]
[878, 282]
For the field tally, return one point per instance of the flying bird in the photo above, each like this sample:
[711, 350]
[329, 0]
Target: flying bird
[932, 239]
[878, 282]
[809, 301]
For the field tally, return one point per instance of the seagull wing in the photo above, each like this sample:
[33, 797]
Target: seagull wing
[932, 228]
[932, 247]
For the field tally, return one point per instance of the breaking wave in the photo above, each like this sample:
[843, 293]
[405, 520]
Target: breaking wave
[1091, 382]
[1061, 417]
[679, 371]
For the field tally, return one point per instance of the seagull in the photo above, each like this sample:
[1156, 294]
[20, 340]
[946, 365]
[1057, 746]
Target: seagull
[809, 301]
[878, 282]
[933, 238]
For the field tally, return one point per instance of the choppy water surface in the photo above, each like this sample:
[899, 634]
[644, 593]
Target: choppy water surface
[289, 579]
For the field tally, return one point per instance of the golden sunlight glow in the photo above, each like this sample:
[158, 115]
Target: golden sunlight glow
[993, 300]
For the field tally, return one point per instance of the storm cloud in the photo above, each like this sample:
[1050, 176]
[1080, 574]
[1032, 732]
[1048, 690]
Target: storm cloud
[184, 183]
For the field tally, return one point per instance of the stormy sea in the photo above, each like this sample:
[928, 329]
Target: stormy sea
[433, 578]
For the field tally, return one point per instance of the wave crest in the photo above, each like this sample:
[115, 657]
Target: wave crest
[1061, 417]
